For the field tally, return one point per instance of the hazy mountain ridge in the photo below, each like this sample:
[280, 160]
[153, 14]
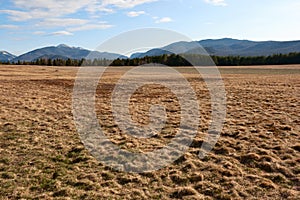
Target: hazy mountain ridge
[152, 52]
[219, 47]
[228, 47]
[64, 52]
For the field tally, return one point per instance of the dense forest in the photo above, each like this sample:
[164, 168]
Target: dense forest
[172, 60]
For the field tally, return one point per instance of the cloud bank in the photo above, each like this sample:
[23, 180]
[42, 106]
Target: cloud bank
[216, 2]
[48, 14]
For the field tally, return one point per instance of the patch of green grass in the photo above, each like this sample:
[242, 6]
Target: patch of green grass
[7, 175]
[61, 193]
[47, 184]
[82, 185]
[4, 161]
[107, 176]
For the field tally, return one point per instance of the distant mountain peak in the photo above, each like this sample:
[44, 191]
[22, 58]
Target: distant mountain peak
[228, 39]
[63, 46]
[6, 56]
[4, 52]
[63, 51]
[67, 46]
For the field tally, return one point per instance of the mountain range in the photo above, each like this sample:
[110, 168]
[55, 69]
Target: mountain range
[226, 47]
[64, 52]
[5, 56]
[219, 47]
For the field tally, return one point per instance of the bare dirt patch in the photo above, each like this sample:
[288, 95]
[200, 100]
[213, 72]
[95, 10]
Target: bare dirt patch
[256, 157]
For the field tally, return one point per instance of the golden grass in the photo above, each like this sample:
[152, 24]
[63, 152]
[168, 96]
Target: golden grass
[257, 156]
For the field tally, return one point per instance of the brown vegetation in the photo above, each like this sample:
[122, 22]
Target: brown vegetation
[257, 156]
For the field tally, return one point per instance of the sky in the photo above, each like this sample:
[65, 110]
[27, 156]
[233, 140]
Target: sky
[29, 24]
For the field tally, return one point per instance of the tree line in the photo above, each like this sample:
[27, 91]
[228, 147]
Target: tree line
[48, 62]
[171, 60]
[277, 59]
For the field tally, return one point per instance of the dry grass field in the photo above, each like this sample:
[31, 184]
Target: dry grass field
[257, 156]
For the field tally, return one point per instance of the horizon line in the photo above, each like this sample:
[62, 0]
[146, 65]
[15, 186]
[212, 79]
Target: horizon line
[84, 48]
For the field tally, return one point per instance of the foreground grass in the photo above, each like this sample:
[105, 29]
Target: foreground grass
[257, 156]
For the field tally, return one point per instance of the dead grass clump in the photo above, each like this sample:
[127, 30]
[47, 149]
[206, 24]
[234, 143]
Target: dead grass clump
[285, 171]
[137, 194]
[222, 150]
[107, 176]
[8, 175]
[285, 128]
[124, 180]
[181, 160]
[197, 143]
[289, 194]
[296, 147]
[196, 177]
[278, 148]
[83, 185]
[249, 159]
[47, 184]
[61, 193]
[179, 179]
[227, 196]
[228, 173]
[267, 158]
[89, 177]
[267, 184]
[208, 189]
[277, 178]
[182, 192]
[77, 155]
[189, 167]
[266, 166]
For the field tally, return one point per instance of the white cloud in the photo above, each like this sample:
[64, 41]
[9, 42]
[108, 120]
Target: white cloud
[39, 33]
[55, 22]
[125, 3]
[86, 27]
[7, 26]
[135, 13]
[163, 20]
[216, 2]
[37, 9]
[56, 13]
[61, 33]
[15, 15]
[51, 7]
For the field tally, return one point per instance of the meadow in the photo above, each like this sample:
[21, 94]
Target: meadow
[256, 157]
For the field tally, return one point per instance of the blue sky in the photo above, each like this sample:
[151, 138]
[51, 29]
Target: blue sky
[30, 24]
